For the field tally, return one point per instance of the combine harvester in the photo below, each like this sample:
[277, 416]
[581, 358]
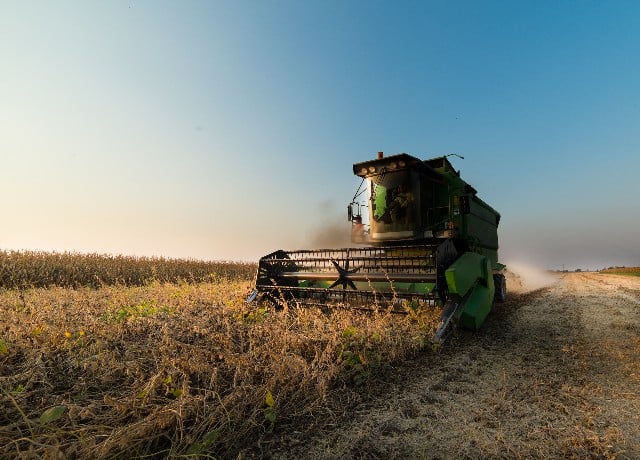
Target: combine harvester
[429, 240]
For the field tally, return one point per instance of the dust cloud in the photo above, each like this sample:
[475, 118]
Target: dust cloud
[523, 277]
[333, 231]
[332, 234]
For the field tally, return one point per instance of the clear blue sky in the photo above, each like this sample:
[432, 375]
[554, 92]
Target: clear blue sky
[227, 129]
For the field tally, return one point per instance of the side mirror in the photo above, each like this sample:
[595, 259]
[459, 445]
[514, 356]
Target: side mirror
[349, 213]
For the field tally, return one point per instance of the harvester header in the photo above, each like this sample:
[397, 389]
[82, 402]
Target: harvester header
[428, 238]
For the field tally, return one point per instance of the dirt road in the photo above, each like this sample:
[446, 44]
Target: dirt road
[553, 373]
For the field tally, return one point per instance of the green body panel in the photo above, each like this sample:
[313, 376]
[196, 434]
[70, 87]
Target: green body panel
[417, 288]
[476, 307]
[480, 228]
[465, 272]
[471, 278]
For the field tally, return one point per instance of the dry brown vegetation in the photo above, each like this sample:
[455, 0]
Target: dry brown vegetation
[24, 269]
[171, 369]
[187, 370]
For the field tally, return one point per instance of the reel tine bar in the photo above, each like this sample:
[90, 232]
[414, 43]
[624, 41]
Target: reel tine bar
[370, 275]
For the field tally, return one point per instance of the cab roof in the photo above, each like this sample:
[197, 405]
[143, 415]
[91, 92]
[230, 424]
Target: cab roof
[401, 161]
[434, 168]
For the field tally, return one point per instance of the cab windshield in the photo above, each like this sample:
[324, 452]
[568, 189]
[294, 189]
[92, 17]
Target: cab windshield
[392, 205]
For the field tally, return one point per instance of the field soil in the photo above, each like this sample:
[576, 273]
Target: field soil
[554, 372]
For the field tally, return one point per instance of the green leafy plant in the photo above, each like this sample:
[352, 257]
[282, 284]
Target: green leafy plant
[18, 389]
[354, 354]
[349, 332]
[204, 444]
[256, 315]
[52, 414]
[171, 391]
[270, 410]
[4, 348]
[141, 310]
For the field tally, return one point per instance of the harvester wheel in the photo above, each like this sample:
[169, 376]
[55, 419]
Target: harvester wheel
[500, 283]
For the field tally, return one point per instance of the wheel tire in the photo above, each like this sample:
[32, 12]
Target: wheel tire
[500, 283]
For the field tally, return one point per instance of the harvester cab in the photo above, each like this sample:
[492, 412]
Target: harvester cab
[425, 238]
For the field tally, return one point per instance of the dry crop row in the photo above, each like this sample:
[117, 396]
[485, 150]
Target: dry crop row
[20, 269]
[175, 369]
